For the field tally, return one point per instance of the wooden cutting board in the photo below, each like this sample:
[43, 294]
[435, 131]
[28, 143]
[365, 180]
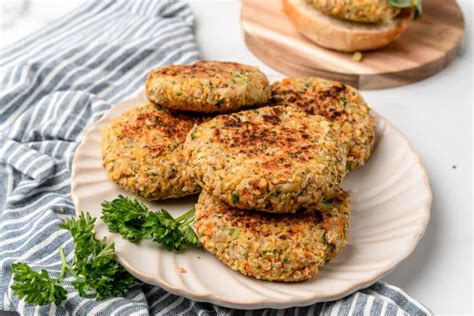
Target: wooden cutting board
[425, 48]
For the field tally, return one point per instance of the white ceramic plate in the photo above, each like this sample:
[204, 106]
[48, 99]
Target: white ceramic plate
[391, 200]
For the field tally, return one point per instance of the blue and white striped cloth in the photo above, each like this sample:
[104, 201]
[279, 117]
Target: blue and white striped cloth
[54, 84]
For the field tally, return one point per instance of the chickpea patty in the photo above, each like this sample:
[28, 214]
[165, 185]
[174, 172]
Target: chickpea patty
[341, 104]
[366, 11]
[274, 159]
[142, 152]
[207, 86]
[274, 247]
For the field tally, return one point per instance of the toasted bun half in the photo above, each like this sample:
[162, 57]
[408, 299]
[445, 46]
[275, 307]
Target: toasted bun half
[343, 35]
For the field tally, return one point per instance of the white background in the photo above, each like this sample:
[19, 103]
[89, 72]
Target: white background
[435, 114]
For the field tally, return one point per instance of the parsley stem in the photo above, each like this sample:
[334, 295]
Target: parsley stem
[64, 265]
[185, 215]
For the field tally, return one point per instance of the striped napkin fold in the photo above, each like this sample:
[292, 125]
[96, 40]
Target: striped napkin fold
[54, 85]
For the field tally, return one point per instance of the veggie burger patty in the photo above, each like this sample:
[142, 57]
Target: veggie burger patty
[274, 247]
[207, 86]
[274, 159]
[337, 102]
[142, 152]
[366, 11]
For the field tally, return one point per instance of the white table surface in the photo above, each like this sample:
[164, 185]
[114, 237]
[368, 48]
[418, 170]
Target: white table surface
[435, 114]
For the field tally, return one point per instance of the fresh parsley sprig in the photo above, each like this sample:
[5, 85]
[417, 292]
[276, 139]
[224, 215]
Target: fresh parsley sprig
[127, 216]
[94, 268]
[417, 4]
[133, 221]
[36, 287]
[174, 234]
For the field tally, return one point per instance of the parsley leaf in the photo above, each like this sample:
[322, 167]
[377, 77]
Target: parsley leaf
[126, 216]
[94, 268]
[328, 200]
[174, 234]
[417, 4]
[36, 287]
[219, 102]
[133, 221]
[94, 261]
[235, 197]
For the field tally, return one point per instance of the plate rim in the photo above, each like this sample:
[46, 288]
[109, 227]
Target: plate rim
[259, 303]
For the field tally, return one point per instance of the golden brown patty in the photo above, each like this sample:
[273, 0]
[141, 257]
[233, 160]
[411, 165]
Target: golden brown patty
[337, 102]
[274, 159]
[274, 247]
[207, 86]
[367, 11]
[142, 152]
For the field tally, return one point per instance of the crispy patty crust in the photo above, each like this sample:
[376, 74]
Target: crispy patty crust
[274, 159]
[339, 103]
[274, 247]
[207, 86]
[366, 11]
[142, 152]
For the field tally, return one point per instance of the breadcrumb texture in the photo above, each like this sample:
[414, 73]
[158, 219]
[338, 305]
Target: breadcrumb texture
[274, 247]
[366, 11]
[142, 151]
[274, 159]
[339, 103]
[207, 86]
